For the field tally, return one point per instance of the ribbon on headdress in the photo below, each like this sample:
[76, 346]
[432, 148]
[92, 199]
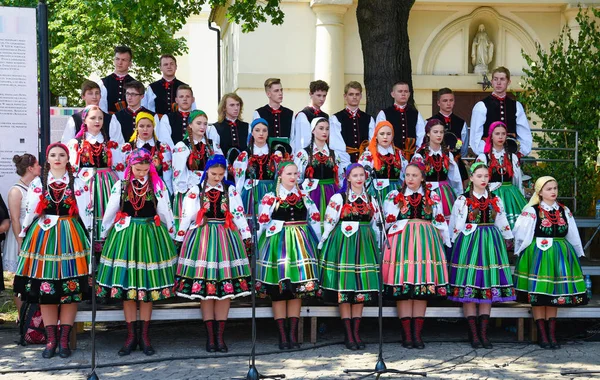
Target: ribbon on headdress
[142, 156]
[488, 141]
[373, 143]
[84, 115]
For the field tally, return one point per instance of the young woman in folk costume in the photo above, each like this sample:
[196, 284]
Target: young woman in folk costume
[441, 171]
[349, 268]
[139, 257]
[385, 159]
[90, 150]
[287, 251]
[479, 267]
[548, 273]
[52, 269]
[414, 267]
[257, 163]
[190, 157]
[213, 263]
[505, 172]
[144, 137]
[319, 166]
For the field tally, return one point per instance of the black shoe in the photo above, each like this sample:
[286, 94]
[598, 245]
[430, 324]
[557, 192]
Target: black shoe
[283, 339]
[131, 342]
[51, 341]
[484, 323]
[349, 337]
[417, 329]
[473, 333]
[356, 331]
[294, 322]
[145, 344]
[221, 346]
[64, 351]
[211, 346]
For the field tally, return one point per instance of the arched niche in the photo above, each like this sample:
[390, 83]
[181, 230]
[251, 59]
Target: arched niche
[447, 51]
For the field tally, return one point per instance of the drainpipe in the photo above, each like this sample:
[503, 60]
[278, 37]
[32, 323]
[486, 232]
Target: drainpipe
[218, 53]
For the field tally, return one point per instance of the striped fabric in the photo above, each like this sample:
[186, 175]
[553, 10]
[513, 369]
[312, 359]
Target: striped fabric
[513, 201]
[349, 269]
[479, 268]
[263, 187]
[287, 262]
[550, 278]
[138, 263]
[448, 197]
[213, 263]
[103, 182]
[178, 208]
[415, 266]
[394, 185]
[322, 194]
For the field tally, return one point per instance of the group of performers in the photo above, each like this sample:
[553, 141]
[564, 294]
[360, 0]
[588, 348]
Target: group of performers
[167, 213]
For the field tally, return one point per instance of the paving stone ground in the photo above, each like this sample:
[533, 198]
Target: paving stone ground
[446, 356]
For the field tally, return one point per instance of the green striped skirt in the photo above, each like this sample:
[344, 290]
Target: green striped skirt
[513, 201]
[550, 278]
[178, 208]
[53, 264]
[349, 268]
[212, 263]
[479, 268]
[137, 263]
[286, 264]
[103, 183]
[322, 194]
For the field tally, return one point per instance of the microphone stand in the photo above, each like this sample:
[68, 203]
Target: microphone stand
[380, 367]
[253, 373]
[92, 375]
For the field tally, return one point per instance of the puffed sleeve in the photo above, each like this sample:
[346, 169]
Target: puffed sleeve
[478, 117]
[482, 158]
[341, 168]
[366, 160]
[240, 165]
[501, 222]
[454, 176]
[265, 210]
[117, 159]
[523, 130]
[73, 146]
[376, 218]
[458, 217]
[390, 209]
[163, 210]
[116, 132]
[237, 209]
[420, 128]
[573, 234]
[524, 229]
[314, 216]
[404, 165]
[439, 221]
[336, 141]
[332, 216]
[213, 135]
[84, 202]
[301, 160]
[34, 193]
[167, 166]
[181, 172]
[111, 209]
[518, 174]
[190, 208]
[163, 131]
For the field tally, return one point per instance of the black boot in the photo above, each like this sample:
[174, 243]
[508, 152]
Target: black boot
[355, 330]
[145, 344]
[542, 336]
[51, 341]
[407, 340]
[64, 351]
[417, 329]
[348, 336]
[473, 334]
[221, 346]
[211, 345]
[484, 323]
[131, 341]
[552, 332]
[283, 339]
[294, 321]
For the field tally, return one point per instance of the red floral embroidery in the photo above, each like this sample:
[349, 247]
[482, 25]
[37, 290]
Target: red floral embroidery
[47, 221]
[37, 190]
[544, 241]
[469, 226]
[263, 218]
[120, 167]
[390, 218]
[316, 217]
[273, 228]
[348, 228]
[440, 218]
[192, 195]
[126, 148]
[180, 233]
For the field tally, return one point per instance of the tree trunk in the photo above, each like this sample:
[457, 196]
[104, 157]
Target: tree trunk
[383, 29]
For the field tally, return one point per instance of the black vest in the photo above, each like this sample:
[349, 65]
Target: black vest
[405, 124]
[356, 212]
[311, 114]
[484, 216]
[232, 136]
[149, 208]
[500, 110]
[279, 123]
[178, 126]
[126, 118]
[355, 130]
[455, 126]
[115, 95]
[555, 230]
[165, 95]
[290, 213]
[105, 124]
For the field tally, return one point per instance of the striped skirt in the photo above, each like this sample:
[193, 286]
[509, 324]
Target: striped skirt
[262, 187]
[178, 208]
[103, 182]
[322, 194]
[447, 196]
[349, 269]
[137, 263]
[415, 266]
[212, 263]
[479, 268]
[53, 264]
[286, 264]
[550, 278]
[395, 184]
[513, 201]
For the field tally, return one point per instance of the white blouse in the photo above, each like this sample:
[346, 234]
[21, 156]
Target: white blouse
[454, 178]
[240, 166]
[517, 174]
[301, 160]
[184, 178]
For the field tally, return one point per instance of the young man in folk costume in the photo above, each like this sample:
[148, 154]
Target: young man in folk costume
[112, 98]
[134, 93]
[173, 125]
[301, 131]
[280, 118]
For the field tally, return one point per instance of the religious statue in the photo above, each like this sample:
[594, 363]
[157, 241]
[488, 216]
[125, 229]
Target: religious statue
[482, 51]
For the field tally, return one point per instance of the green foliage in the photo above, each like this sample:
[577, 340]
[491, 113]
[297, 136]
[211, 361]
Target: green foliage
[561, 88]
[82, 34]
